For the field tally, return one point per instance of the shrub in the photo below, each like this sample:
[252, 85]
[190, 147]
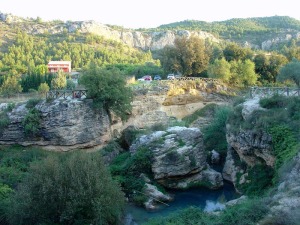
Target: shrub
[4, 119]
[70, 84]
[32, 123]
[127, 169]
[43, 88]
[215, 133]
[67, 189]
[260, 177]
[31, 103]
[284, 144]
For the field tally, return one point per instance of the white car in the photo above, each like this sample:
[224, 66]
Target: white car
[171, 77]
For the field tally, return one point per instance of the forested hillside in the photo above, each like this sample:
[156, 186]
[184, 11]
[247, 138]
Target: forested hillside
[27, 45]
[254, 30]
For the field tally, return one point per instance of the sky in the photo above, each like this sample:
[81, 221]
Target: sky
[148, 14]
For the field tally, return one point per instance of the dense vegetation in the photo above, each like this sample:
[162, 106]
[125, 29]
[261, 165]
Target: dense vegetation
[84, 192]
[280, 117]
[38, 187]
[239, 30]
[107, 88]
[23, 57]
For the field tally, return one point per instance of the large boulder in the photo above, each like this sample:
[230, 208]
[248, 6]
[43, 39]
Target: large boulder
[179, 159]
[155, 197]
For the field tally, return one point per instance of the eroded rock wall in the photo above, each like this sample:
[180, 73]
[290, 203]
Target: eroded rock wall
[65, 124]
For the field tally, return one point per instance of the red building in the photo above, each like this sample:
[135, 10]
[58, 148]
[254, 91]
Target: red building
[55, 66]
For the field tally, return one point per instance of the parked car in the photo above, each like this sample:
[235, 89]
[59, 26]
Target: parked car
[171, 77]
[148, 77]
[145, 78]
[157, 77]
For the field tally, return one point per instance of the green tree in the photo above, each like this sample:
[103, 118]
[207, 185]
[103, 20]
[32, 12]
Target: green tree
[243, 73]
[220, 69]
[10, 87]
[247, 70]
[70, 84]
[189, 56]
[60, 81]
[108, 90]
[235, 52]
[67, 189]
[268, 67]
[290, 71]
[43, 88]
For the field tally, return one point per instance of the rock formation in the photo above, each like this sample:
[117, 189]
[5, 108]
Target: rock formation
[65, 124]
[179, 159]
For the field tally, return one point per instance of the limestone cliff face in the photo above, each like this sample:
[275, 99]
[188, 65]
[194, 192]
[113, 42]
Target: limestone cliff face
[137, 39]
[133, 38]
[179, 159]
[252, 145]
[65, 124]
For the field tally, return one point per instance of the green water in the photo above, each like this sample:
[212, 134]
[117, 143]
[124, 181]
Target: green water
[203, 198]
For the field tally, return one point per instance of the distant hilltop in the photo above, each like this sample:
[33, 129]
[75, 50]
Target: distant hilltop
[256, 33]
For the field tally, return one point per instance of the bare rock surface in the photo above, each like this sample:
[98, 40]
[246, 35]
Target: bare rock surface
[179, 159]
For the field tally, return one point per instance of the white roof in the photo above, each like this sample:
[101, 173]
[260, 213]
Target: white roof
[59, 62]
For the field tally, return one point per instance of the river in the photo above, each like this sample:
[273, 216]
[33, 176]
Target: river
[206, 199]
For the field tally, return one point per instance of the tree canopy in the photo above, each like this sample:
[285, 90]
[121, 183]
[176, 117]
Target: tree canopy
[189, 56]
[107, 88]
[290, 71]
[67, 189]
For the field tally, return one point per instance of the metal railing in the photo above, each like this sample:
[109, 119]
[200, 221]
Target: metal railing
[270, 91]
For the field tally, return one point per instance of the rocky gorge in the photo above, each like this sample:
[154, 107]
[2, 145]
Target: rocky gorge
[179, 159]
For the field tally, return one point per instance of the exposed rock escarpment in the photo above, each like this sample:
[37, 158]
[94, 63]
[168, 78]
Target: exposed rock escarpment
[69, 124]
[179, 159]
[252, 146]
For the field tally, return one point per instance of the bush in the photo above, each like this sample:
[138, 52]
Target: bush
[31, 103]
[260, 177]
[215, 133]
[74, 188]
[127, 169]
[43, 88]
[32, 123]
[4, 119]
[284, 144]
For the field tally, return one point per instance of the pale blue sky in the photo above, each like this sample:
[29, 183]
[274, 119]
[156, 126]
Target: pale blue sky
[152, 13]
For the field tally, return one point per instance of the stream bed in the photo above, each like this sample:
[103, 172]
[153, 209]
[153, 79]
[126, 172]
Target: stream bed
[206, 199]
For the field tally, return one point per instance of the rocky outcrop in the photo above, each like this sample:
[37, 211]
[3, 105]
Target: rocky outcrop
[268, 44]
[285, 200]
[64, 125]
[179, 159]
[133, 38]
[155, 197]
[137, 39]
[252, 146]
[230, 168]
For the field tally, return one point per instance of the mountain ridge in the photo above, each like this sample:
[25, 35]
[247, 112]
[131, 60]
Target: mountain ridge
[256, 33]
